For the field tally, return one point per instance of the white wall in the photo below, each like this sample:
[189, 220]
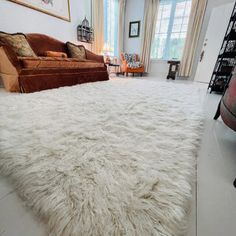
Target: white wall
[17, 18]
[134, 12]
[159, 69]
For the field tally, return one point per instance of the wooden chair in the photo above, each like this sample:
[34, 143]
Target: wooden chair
[125, 69]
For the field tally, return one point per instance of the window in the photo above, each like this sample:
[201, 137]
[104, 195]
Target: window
[171, 29]
[111, 25]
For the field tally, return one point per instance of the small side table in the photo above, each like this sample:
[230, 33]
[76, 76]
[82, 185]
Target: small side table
[173, 69]
[116, 66]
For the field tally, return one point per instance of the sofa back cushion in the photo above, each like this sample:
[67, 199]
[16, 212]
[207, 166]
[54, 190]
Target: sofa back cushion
[42, 43]
[18, 43]
[76, 51]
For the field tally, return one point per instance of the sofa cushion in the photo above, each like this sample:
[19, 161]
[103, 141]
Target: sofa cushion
[76, 51]
[19, 44]
[57, 62]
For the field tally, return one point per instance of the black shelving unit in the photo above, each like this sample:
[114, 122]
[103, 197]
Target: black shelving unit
[226, 60]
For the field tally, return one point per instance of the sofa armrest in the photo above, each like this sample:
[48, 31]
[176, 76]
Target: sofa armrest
[94, 57]
[11, 55]
[9, 68]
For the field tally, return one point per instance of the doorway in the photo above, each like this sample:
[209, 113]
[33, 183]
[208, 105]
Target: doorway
[216, 30]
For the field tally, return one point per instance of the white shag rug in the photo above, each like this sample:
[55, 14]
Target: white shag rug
[106, 158]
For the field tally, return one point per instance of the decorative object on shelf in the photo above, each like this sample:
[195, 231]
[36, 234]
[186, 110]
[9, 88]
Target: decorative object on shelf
[107, 50]
[57, 8]
[85, 33]
[226, 60]
[173, 69]
[134, 29]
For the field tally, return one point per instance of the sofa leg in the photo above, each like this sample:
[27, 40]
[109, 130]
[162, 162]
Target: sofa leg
[133, 74]
[141, 74]
[127, 74]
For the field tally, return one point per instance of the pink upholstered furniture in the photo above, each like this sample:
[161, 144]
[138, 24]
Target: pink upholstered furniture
[227, 106]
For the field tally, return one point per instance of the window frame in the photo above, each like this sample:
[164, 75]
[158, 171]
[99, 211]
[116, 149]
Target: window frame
[170, 29]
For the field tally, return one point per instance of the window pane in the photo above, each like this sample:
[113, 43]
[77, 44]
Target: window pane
[185, 20]
[111, 25]
[184, 28]
[159, 46]
[166, 11]
[180, 7]
[164, 26]
[171, 29]
[177, 24]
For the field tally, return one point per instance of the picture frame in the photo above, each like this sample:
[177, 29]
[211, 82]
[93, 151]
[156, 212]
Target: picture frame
[56, 8]
[134, 29]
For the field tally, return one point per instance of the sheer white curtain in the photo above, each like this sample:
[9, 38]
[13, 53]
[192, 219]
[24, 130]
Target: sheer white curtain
[149, 24]
[121, 29]
[194, 28]
[98, 25]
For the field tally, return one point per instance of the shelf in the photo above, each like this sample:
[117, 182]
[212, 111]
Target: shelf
[219, 84]
[82, 30]
[228, 55]
[231, 35]
[222, 73]
[233, 18]
[84, 41]
[84, 27]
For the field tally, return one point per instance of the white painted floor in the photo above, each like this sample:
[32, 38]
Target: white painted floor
[214, 206]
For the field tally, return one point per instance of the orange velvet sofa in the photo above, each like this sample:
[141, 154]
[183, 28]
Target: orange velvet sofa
[28, 74]
[125, 69]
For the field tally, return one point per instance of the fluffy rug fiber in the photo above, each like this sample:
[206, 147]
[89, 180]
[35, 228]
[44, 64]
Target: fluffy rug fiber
[106, 158]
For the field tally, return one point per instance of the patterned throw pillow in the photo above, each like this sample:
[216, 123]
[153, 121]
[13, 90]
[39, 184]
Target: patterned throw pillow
[131, 59]
[19, 44]
[76, 51]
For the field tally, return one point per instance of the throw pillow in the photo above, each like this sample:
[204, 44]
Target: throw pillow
[55, 54]
[76, 51]
[131, 59]
[19, 44]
